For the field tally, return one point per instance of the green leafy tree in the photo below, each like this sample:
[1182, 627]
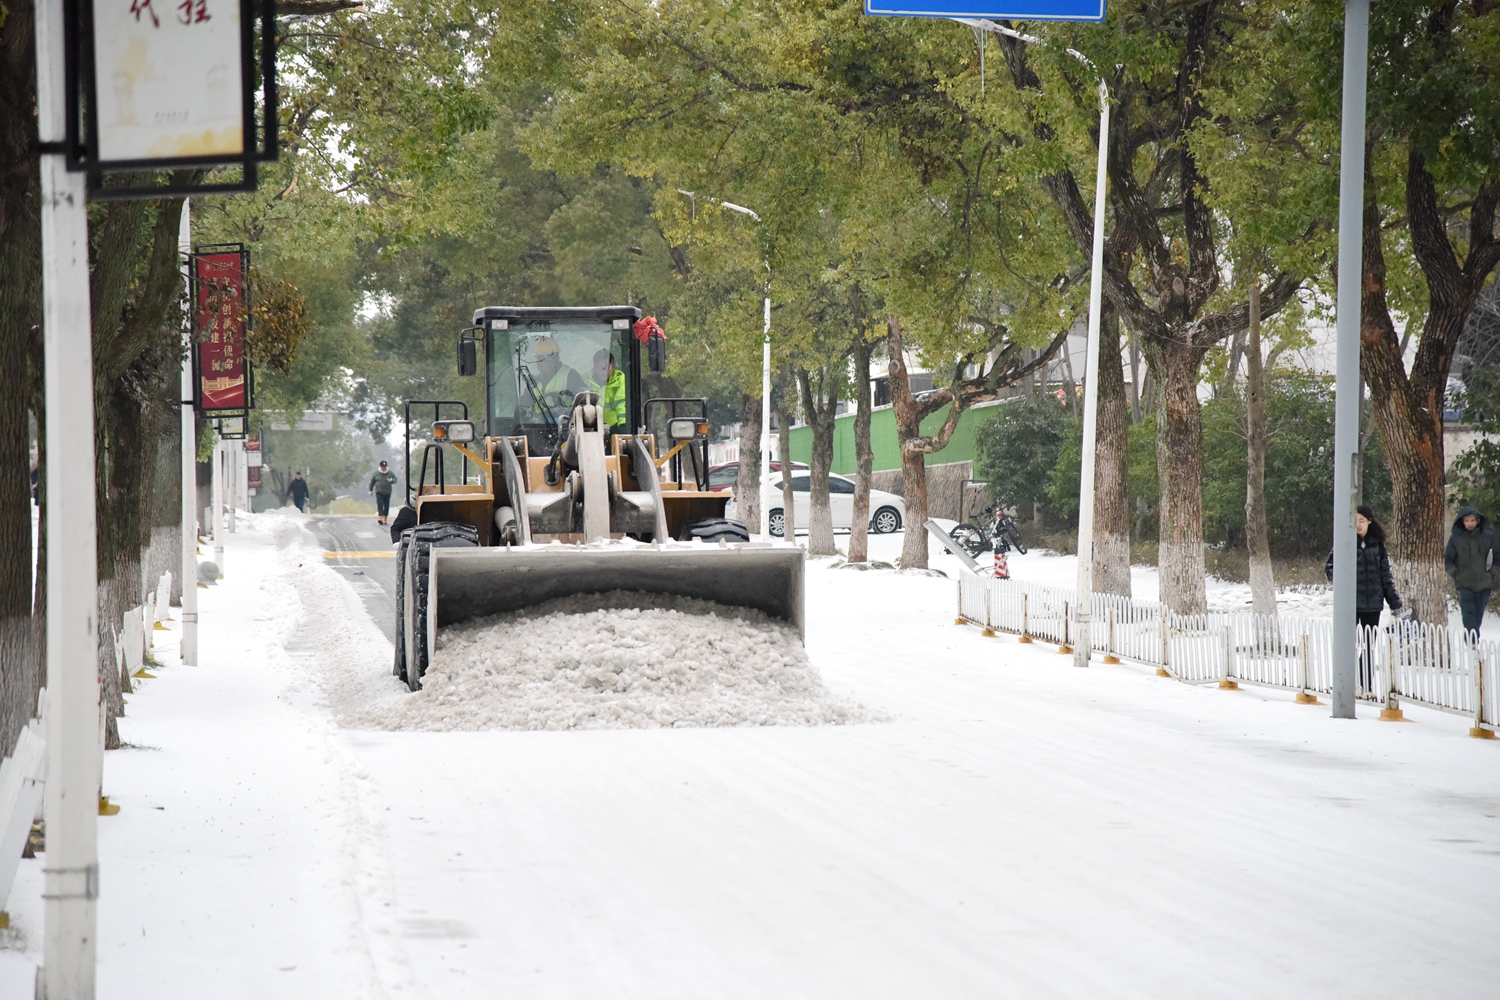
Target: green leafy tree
[1020, 446]
[1431, 186]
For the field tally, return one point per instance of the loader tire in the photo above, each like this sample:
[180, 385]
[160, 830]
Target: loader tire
[422, 540]
[398, 669]
[713, 529]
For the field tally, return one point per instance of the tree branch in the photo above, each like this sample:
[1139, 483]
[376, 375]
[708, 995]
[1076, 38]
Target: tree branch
[293, 8]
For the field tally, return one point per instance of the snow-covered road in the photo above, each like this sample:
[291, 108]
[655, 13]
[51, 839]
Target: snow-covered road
[1019, 828]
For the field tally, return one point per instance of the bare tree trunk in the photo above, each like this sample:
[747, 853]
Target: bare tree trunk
[784, 416]
[1262, 582]
[1179, 470]
[747, 482]
[913, 460]
[1409, 405]
[1112, 467]
[820, 418]
[20, 308]
[38, 676]
[1071, 402]
[864, 455]
[1135, 382]
[1236, 351]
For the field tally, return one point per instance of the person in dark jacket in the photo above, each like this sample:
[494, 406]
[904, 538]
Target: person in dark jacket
[1373, 586]
[1470, 560]
[382, 482]
[298, 491]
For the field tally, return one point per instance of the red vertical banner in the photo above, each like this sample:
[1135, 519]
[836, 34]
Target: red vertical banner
[252, 461]
[221, 312]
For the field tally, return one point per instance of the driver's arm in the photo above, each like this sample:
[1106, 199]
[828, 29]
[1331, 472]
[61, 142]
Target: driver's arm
[576, 383]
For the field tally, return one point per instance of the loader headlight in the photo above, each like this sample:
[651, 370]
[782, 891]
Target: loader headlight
[453, 431]
[686, 428]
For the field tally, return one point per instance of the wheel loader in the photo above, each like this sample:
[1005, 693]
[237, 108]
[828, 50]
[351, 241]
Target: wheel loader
[575, 485]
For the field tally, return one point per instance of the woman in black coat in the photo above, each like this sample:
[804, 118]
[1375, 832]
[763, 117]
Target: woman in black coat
[1373, 586]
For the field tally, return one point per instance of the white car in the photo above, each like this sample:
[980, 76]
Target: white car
[887, 510]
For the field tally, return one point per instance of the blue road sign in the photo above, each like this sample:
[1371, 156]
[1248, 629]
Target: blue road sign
[996, 10]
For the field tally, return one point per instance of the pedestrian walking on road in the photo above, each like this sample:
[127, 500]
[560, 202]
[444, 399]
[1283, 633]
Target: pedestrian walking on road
[298, 491]
[382, 482]
[1470, 561]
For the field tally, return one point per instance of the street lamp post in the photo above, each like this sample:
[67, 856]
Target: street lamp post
[1083, 602]
[1346, 377]
[765, 370]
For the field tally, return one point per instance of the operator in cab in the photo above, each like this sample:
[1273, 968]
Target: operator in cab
[557, 382]
[609, 382]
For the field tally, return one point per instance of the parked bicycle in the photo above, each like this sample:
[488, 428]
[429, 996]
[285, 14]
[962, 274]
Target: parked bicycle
[990, 530]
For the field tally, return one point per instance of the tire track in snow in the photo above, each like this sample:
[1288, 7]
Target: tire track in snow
[340, 648]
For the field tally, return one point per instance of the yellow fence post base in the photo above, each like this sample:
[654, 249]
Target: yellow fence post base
[1303, 698]
[960, 621]
[1391, 715]
[988, 633]
[159, 627]
[1064, 650]
[4, 920]
[1111, 658]
[1229, 686]
[1025, 640]
[1481, 733]
[142, 675]
[107, 808]
[1163, 672]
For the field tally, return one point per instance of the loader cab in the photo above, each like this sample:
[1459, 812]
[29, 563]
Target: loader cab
[537, 358]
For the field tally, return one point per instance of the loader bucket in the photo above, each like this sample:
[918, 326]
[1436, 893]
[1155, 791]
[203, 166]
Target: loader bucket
[473, 583]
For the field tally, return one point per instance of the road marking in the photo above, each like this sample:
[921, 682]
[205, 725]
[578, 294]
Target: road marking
[359, 555]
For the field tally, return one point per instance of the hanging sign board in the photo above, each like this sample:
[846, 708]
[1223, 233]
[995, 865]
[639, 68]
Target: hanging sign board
[170, 80]
[221, 314]
[162, 84]
[994, 10]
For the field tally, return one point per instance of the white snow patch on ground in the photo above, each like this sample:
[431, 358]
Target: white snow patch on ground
[616, 661]
[1022, 828]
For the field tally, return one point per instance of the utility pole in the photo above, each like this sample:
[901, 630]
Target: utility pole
[765, 419]
[218, 519]
[1346, 378]
[1084, 596]
[233, 452]
[189, 567]
[72, 796]
[765, 370]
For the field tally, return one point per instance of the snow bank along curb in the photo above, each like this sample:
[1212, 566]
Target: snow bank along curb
[1432, 665]
[622, 660]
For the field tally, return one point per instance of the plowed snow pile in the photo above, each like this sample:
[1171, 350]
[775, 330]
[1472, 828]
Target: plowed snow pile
[608, 662]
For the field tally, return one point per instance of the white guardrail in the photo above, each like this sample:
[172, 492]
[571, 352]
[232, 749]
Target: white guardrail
[1433, 665]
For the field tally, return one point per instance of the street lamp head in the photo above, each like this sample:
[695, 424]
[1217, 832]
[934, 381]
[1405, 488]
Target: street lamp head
[740, 208]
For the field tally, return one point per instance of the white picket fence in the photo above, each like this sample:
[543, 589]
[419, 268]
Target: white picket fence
[1432, 665]
[23, 773]
[21, 779]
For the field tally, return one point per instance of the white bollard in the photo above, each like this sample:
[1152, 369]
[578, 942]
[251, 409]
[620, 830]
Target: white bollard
[164, 599]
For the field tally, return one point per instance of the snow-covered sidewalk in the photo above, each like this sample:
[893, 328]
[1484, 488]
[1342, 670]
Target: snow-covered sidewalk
[1018, 828]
